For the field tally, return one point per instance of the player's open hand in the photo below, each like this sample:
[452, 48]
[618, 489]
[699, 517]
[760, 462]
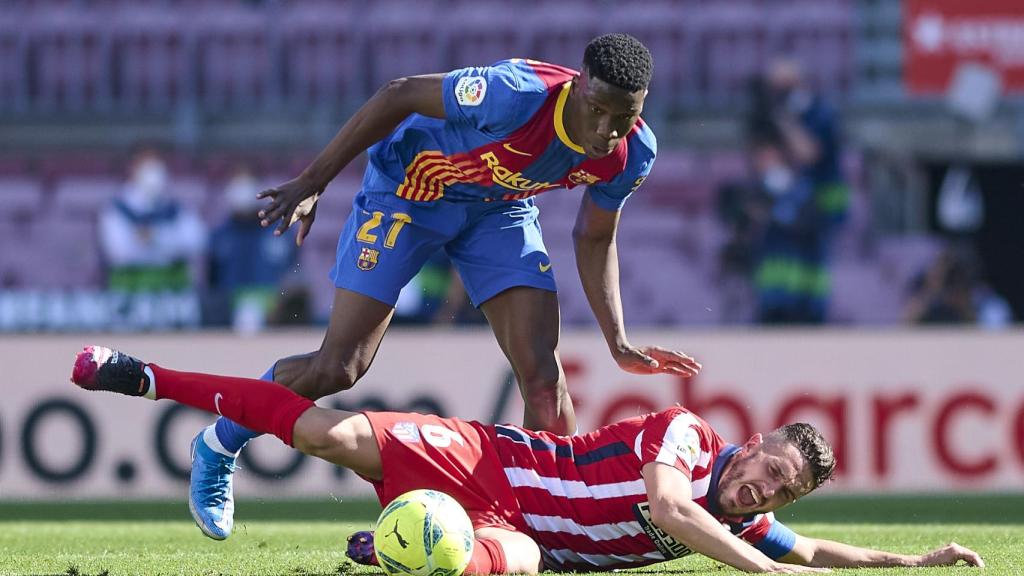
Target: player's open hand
[292, 201]
[656, 360]
[949, 555]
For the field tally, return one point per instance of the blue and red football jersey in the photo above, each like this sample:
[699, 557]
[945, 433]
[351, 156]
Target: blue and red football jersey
[585, 501]
[503, 139]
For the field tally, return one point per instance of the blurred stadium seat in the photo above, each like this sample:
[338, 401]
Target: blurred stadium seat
[235, 61]
[321, 55]
[152, 56]
[204, 64]
[22, 199]
[81, 198]
[122, 59]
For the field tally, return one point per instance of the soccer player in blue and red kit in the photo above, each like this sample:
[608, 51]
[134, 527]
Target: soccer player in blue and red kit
[455, 161]
[644, 490]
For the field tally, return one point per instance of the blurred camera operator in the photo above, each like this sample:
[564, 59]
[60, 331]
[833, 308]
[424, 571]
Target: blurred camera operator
[794, 153]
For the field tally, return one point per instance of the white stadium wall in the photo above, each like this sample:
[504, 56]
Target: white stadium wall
[908, 411]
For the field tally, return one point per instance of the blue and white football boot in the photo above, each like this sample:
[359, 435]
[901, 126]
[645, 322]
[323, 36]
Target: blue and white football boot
[210, 495]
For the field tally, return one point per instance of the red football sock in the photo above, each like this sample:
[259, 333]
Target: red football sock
[256, 404]
[488, 558]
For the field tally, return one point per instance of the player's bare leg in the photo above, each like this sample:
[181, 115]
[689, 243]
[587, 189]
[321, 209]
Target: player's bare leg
[356, 327]
[522, 555]
[353, 336]
[526, 323]
[340, 437]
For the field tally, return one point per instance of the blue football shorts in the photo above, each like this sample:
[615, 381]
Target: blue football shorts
[494, 245]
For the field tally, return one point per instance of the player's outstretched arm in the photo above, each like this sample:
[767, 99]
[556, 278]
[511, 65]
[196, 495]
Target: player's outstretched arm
[597, 261]
[826, 553]
[674, 511]
[397, 100]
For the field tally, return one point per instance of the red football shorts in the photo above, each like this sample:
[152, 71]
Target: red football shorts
[453, 456]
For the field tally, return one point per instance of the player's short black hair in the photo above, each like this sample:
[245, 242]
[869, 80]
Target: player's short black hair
[620, 60]
[815, 449]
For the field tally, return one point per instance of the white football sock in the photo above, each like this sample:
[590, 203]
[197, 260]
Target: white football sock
[151, 393]
[211, 440]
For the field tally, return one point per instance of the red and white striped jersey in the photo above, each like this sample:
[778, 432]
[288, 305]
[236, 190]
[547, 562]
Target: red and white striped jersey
[584, 496]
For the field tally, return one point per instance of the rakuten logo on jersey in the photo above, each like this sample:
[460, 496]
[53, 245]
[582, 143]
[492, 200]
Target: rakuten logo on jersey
[509, 179]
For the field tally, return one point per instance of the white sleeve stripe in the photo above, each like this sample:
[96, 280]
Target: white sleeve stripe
[675, 436]
[700, 487]
[666, 456]
[704, 460]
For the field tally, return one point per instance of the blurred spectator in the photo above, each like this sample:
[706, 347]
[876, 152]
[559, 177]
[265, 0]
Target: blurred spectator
[810, 131]
[952, 291]
[436, 296]
[147, 238]
[793, 138]
[248, 265]
[790, 276]
[742, 207]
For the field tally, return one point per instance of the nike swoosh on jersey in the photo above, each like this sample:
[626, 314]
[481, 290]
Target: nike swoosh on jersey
[544, 267]
[514, 151]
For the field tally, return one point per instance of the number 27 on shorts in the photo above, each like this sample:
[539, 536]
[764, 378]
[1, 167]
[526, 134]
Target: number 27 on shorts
[367, 233]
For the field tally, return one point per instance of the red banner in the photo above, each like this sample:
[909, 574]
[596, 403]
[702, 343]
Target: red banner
[939, 35]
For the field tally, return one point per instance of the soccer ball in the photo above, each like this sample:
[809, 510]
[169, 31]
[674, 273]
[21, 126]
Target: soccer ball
[424, 533]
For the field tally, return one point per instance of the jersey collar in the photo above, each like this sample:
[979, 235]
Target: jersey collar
[563, 95]
[721, 460]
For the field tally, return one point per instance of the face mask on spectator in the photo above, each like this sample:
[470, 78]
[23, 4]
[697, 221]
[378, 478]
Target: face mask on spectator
[798, 101]
[240, 194]
[777, 180]
[149, 182]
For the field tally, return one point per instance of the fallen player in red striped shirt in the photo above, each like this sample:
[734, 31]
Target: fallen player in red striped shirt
[644, 490]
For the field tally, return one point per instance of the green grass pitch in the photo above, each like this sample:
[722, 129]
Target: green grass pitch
[308, 538]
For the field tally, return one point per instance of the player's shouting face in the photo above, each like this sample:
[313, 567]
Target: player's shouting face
[599, 115]
[765, 475]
